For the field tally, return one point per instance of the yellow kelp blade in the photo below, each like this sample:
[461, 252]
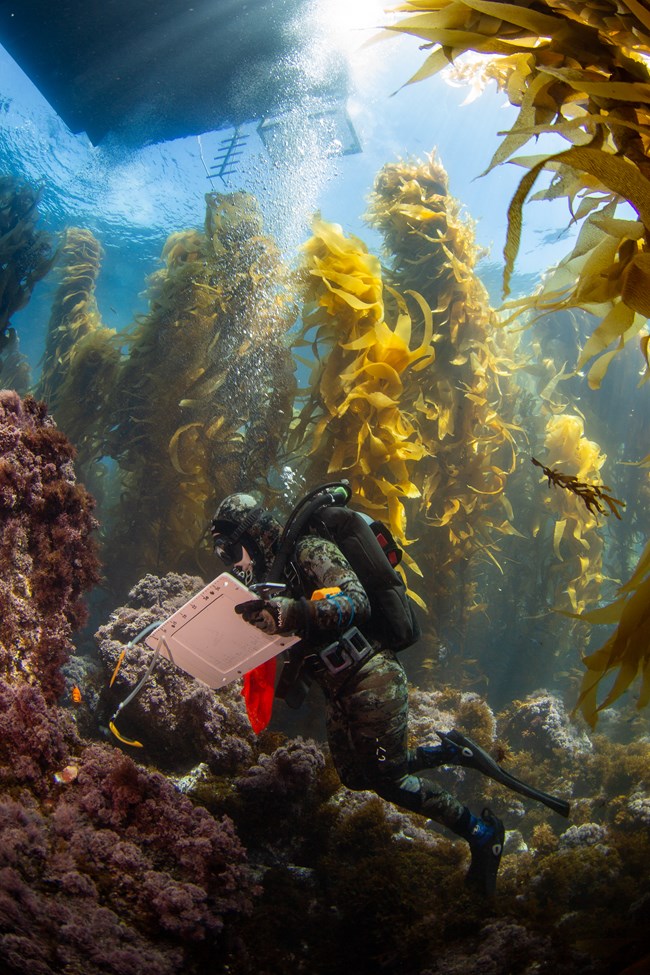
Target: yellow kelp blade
[643, 567]
[514, 13]
[628, 669]
[627, 650]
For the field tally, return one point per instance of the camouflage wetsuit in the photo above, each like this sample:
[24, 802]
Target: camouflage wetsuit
[367, 704]
[367, 701]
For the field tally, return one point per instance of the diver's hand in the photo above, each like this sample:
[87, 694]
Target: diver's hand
[259, 613]
[270, 615]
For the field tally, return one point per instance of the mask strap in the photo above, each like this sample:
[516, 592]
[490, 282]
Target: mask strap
[241, 529]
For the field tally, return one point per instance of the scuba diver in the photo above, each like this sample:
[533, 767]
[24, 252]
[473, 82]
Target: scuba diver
[363, 682]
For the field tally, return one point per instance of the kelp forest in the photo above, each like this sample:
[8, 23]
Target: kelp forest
[505, 446]
[389, 370]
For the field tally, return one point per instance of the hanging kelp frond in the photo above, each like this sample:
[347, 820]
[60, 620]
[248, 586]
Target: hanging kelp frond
[354, 421]
[607, 273]
[627, 651]
[205, 396]
[580, 70]
[81, 355]
[591, 494]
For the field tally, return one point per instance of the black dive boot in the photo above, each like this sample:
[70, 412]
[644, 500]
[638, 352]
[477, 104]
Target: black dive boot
[457, 749]
[486, 847]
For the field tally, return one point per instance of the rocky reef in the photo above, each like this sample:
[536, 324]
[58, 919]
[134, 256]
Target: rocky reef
[104, 865]
[48, 553]
[211, 850]
[340, 867]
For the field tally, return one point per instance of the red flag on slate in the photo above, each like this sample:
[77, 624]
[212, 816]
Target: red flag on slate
[258, 692]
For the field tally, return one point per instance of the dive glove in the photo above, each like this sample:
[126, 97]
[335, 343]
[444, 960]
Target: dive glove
[280, 615]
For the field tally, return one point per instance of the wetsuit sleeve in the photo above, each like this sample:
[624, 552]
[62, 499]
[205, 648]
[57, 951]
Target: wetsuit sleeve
[323, 566]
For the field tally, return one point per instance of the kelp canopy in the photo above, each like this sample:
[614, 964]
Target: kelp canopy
[579, 70]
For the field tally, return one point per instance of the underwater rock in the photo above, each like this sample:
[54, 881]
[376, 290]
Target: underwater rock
[541, 725]
[190, 782]
[113, 872]
[432, 711]
[34, 738]
[179, 720]
[514, 842]
[46, 546]
[638, 808]
[587, 834]
[346, 802]
[105, 867]
[427, 714]
[504, 946]
[84, 678]
[288, 773]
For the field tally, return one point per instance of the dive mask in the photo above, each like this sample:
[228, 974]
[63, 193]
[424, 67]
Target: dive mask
[229, 552]
[236, 558]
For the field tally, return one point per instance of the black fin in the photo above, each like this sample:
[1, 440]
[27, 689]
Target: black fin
[472, 755]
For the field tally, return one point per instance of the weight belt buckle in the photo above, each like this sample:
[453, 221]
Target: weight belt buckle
[351, 648]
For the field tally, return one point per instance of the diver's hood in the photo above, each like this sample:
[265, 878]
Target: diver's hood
[240, 518]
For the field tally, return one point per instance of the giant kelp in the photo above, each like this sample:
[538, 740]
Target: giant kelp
[201, 403]
[577, 70]
[462, 402]
[81, 354]
[26, 255]
[353, 421]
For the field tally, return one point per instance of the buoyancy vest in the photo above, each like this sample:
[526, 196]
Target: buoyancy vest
[371, 551]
